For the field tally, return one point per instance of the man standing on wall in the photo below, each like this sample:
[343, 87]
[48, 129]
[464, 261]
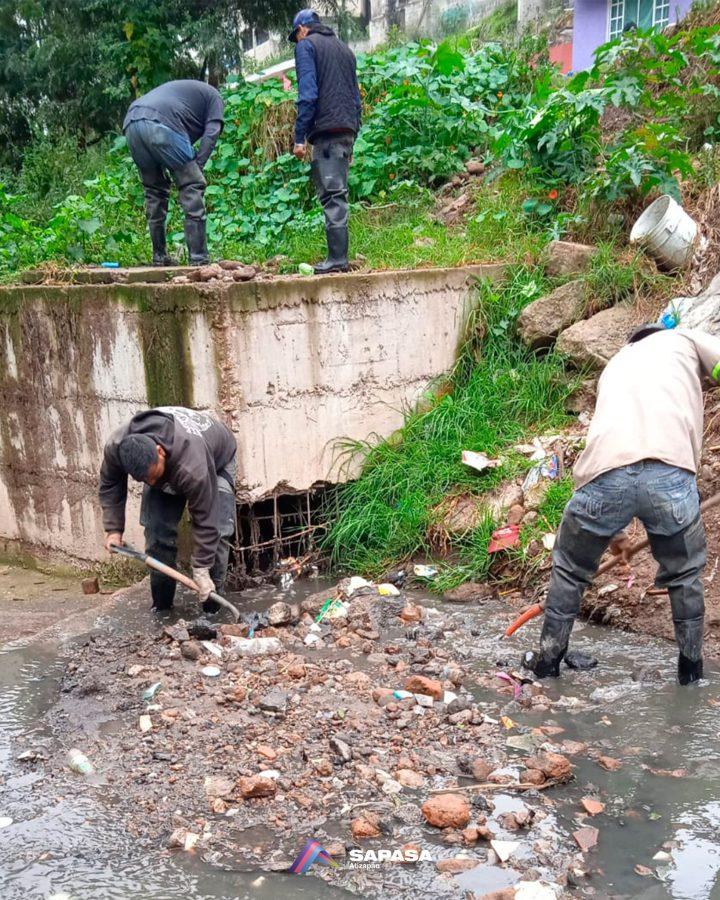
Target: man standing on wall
[328, 117]
[161, 128]
[183, 457]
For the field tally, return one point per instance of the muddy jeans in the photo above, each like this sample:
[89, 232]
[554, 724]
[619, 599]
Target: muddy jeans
[160, 515]
[331, 155]
[157, 150]
[666, 501]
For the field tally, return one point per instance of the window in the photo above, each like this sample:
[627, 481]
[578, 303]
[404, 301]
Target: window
[617, 18]
[261, 35]
[661, 13]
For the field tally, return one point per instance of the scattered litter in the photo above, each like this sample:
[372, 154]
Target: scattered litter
[662, 856]
[527, 742]
[110, 265]
[503, 538]
[536, 890]
[402, 695]
[31, 756]
[425, 571]
[507, 723]
[190, 840]
[150, 692]
[479, 461]
[213, 671]
[586, 838]
[607, 589]
[145, 724]
[535, 451]
[332, 608]
[306, 269]
[79, 763]
[448, 697]
[273, 774]
[548, 541]
[517, 687]
[259, 882]
[253, 646]
[212, 648]
[549, 468]
[504, 849]
[592, 807]
[355, 583]
[388, 590]
[5, 821]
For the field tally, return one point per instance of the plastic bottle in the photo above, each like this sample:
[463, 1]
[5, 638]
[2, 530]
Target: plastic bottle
[79, 763]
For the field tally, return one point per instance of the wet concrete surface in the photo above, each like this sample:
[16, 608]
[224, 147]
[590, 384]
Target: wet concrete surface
[63, 840]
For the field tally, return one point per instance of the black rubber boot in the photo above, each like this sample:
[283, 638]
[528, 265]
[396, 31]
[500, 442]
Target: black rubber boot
[541, 666]
[337, 258]
[196, 240]
[162, 589]
[689, 670]
[159, 246]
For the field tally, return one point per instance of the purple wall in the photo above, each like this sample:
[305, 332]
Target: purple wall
[591, 24]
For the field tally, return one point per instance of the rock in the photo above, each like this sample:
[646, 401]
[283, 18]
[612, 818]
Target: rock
[515, 514]
[568, 258]
[202, 630]
[591, 806]
[367, 826]
[275, 701]
[205, 273]
[541, 321]
[503, 498]
[411, 613]
[341, 748]
[267, 752]
[577, 659]
[456, 865]
[475, 167]
[191, 650]
[553, 766]
[90, 586]
[245, 273]
[235, 629]
[464, 593]
[583, 399]
[609, 763]
[446, 811]
[586, 838]
[279, 614]
[504, 849]
[409, 778]
[419, 684]
[218, 786]
[323, 767]
[256, 786]
[176, 841]
[176, 632]
[507, 893]
[594, 341]
[480, 769]
[358, 681]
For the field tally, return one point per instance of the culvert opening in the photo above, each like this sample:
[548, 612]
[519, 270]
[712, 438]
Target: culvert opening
[277, 537]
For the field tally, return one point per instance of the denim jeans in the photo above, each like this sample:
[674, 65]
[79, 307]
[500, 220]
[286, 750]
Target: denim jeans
[665, 499]
[157, 149]
[160, 515]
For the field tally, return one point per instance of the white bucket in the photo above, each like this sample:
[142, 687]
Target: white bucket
[667, 232]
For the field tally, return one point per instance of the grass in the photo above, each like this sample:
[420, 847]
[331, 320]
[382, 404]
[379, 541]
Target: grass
[497, 393]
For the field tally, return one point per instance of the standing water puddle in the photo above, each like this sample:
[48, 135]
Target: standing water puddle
[63, 844]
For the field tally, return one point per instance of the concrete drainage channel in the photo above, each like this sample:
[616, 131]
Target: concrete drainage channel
[107, 835]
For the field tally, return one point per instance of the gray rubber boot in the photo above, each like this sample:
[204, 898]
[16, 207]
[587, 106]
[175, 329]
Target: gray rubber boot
[196, 240]
[337, 258]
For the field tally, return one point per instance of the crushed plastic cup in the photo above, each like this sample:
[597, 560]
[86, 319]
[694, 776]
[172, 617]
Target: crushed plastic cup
[79, 763]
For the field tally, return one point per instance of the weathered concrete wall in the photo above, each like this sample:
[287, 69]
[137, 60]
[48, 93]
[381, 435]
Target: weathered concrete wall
[290, 364]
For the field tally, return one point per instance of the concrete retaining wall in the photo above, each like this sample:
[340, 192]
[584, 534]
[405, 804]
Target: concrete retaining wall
[290, 364]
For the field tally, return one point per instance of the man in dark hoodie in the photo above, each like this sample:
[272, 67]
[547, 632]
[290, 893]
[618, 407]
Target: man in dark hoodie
[328, 117]
[183, 457]
[161, 128]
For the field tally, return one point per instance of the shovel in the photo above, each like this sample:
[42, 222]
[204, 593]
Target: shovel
[538, 608]
[152, 563]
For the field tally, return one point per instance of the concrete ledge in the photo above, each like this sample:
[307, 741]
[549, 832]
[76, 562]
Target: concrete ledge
[291, 364]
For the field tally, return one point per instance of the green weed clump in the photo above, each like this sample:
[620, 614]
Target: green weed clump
[497, 394]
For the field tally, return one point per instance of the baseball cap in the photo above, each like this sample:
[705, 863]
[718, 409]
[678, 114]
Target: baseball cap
[304, 17]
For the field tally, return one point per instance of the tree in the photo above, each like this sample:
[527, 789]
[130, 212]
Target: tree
[75, 65]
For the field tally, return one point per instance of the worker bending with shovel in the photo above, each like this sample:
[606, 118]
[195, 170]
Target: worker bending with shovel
[184, 458]
[640, 460]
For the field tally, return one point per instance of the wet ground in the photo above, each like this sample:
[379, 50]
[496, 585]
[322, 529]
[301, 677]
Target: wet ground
[68, 840]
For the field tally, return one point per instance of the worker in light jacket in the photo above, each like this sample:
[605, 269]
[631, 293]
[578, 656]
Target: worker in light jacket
[328, 118]
[642, 453]
[184, 457]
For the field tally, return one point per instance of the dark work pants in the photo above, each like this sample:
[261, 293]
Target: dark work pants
[157, 151]
[330, 166]
[160, 515]
[666, 501]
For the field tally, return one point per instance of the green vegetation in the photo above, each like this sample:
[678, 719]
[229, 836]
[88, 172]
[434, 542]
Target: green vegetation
[497, 392]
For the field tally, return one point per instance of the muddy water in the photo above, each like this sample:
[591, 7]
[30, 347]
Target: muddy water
[61, 844]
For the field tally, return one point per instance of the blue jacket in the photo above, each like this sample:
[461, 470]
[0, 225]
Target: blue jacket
[328, 92]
